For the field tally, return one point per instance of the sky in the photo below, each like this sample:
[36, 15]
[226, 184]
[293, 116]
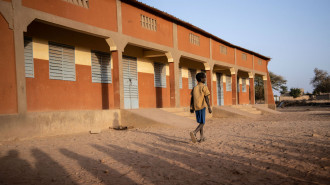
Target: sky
[294, 33]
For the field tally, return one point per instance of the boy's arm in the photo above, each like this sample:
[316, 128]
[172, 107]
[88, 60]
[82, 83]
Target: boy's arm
[208, 104]
[192, 108]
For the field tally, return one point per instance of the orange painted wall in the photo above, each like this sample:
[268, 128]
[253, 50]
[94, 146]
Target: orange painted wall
[258, 67]
[227, 95]
[185, 93]
[215, 96]
[131, 21]
[244, 63]
[184, 43]
[44, 94]
[101, 13]
[8, 91]
[244, 96]
[229, 58]
[151, 96]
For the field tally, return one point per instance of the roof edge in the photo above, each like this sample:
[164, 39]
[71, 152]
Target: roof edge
[187, 25]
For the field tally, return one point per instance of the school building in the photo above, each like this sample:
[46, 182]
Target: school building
[70, 65]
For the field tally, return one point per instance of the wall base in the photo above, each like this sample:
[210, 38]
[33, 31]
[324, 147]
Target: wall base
[39, 124]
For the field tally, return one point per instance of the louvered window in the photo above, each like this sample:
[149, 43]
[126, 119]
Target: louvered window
[194, 39]
[28, 57]
[243, 85]
[244, 56]
[191, 78]
[101, 67]
[61, 62]
[228, 83]
[180, 78]
[160, 74]
[238, 85]
[223, 50]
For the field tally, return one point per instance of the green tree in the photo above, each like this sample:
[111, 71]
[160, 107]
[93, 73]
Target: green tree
[321, 81]
[277, 81]
[295, 92]
[284, 89]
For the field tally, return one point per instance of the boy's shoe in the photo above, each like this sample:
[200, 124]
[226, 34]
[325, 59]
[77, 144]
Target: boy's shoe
[193, 137]
[202, 139]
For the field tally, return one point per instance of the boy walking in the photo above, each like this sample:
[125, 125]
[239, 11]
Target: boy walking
[198, 103]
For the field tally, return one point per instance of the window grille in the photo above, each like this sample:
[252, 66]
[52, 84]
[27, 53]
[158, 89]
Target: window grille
[28, 57]
[223, 50]
[61, 62]
[160, 74]
[148, 23]
[82, 3]
[228, 83]
[101, 67]
[194, 39]
[243, 85]
[259, 61]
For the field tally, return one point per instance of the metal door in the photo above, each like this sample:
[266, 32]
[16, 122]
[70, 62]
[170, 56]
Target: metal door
[131, 90]
[220, 89]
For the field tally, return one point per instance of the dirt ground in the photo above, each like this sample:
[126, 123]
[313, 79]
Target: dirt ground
[290, 148]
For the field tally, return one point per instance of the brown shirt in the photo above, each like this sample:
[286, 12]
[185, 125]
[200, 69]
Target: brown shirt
[199, 92]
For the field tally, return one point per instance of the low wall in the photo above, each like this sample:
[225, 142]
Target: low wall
[304, 97]
[38, 124]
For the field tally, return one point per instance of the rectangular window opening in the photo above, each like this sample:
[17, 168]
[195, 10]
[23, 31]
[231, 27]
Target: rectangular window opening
[101, 67]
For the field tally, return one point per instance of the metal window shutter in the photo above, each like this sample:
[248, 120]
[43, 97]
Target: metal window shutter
[180, 77]
[220, 95]
[243, 85]
[191, 78]
[101, 67]
[61, 62]
[130, 76]
[228, 83]
[160, 75]
[28, 57]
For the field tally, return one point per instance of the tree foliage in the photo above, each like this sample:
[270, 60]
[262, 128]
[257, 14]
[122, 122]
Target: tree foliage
[321, 81]
[259, 88]
[277, 81]
[295, 92]
[284, 89]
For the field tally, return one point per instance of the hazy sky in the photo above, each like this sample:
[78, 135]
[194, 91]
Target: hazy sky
[294, 33]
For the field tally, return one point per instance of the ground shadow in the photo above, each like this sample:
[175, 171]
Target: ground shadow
[99, 170]
[14, 170]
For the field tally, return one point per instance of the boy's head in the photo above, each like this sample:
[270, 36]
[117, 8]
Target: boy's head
[201, 77]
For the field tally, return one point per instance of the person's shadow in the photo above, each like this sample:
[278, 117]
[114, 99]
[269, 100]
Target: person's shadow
[14, 170]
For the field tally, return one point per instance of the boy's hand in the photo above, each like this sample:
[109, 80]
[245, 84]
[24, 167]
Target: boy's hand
[191, 110]
[210, 110]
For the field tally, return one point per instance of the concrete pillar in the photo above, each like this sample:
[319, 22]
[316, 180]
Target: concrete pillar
[233, 86]
[264, 78]
[251, 85]
[20, 70]
[174, 79]
[209, 84]
[116, 58]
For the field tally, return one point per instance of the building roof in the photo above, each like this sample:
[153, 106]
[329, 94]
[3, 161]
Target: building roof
[187, 25]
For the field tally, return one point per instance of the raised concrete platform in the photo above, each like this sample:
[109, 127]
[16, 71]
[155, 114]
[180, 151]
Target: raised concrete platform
[185, 112]
[232, 112]
[154, 116]
[264, 109]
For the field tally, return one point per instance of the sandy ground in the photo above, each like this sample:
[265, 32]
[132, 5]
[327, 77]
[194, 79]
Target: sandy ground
[291, 148]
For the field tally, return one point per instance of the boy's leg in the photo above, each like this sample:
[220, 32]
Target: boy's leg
[202, 134]
[200, 126]
[193, 134]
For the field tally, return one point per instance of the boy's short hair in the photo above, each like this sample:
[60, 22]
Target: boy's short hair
[199, 76]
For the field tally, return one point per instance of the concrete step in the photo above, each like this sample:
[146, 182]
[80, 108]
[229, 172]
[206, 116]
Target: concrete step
[159, 117]
[230, 111]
